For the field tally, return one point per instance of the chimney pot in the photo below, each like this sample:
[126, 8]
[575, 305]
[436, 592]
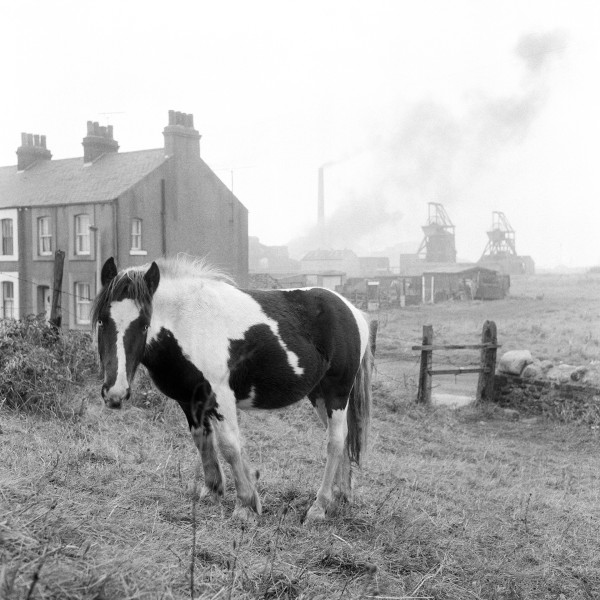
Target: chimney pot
[99, 140]
[32, 149]
[181, 139]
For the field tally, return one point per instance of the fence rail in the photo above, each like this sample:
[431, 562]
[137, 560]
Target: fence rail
[488, 346]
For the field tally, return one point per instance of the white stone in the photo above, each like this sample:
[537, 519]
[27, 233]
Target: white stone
[514, 361]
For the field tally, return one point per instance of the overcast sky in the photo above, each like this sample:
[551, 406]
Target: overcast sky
[479, 105]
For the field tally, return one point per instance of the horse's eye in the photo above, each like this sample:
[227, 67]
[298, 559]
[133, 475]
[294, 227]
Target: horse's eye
[146, 327]
[100, 323]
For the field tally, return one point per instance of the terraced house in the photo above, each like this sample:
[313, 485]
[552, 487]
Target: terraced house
[135, 206]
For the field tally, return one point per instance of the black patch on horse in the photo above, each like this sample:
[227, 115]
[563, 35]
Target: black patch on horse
[258, 363]
[177, 377]
[319, 328]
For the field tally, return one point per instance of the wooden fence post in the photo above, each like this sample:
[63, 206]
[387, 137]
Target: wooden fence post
[424, 392]
[56, 309]
[373, 325]
[485, 385]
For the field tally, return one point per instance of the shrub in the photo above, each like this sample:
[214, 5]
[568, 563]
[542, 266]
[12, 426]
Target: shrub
[38, 366]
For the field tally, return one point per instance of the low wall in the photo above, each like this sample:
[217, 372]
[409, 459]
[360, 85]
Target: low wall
[557, 400]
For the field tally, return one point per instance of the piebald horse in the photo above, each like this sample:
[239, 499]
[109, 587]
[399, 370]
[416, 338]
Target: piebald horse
[214, 348]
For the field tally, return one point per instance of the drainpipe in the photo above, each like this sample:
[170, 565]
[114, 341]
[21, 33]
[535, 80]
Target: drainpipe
[163, 216]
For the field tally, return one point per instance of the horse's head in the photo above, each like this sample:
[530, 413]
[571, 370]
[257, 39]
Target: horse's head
[122, 312]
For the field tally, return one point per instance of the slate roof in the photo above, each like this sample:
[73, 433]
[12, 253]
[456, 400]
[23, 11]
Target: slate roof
[419, 268]
[68, 181]
[454, 268]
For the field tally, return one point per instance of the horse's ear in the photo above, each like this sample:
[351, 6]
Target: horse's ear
[152, 278]
[109, 271]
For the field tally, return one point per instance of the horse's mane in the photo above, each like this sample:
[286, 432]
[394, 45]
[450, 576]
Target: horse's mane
[130, 283]
[184, 265]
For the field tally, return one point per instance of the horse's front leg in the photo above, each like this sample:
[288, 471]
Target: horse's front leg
[228, 439]
[337, 430]
[214, 478]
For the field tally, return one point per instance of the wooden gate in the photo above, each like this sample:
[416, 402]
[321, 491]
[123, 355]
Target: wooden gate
[486, 368]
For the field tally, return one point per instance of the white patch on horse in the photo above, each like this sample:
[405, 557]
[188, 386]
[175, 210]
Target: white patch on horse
[123, 313]
[292, 357]
[210, 315]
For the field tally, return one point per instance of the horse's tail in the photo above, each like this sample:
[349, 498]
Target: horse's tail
[359, 406]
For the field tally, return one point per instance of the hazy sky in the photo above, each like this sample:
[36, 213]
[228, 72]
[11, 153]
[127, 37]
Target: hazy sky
[479, 105]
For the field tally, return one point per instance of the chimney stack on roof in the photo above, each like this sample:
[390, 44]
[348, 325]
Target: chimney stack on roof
[32, 149]
[181, 138]
[99, 140]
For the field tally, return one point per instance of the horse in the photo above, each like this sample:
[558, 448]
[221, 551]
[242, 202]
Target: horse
[214, 348]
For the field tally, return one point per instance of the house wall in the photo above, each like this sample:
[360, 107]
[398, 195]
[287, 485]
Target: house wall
[143, 201]
[37, 272]
[204, 218]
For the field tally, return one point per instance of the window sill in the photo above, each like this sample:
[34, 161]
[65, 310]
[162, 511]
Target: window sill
[138, 253]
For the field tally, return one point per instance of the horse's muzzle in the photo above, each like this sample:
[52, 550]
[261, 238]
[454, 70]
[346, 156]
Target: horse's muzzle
[113, 399]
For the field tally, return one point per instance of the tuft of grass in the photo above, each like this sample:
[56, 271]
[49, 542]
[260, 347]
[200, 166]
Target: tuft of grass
[40, 369]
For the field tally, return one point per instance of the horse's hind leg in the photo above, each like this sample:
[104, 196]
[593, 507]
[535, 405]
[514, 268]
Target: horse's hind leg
[228, 438]
[337, 429]
[213, 473]
[343, 475]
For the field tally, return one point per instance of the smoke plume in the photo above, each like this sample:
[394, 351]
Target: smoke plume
[433, 154]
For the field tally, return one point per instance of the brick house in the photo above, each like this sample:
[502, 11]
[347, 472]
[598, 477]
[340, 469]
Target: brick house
[135, 206]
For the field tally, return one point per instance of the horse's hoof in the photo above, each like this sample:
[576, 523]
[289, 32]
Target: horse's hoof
[210, 495]
[316, 514]
[244, 514]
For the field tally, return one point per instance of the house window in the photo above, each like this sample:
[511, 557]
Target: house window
[83, 303]
[44, 237]
[82, 234]
[8, 300]
[6, 231]
[136, 234]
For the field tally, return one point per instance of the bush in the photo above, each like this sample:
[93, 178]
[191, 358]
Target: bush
[39, 366]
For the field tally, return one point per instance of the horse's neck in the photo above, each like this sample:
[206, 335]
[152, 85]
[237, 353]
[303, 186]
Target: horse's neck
[179, 305]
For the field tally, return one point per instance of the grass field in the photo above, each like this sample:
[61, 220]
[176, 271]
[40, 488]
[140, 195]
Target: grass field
[450, 504]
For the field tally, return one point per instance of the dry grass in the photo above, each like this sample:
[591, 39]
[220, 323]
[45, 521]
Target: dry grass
[451, 505]
[556, 317]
